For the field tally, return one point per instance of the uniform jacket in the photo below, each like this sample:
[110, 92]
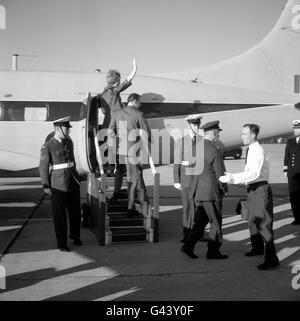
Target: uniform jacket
[206, 186]
[110, 100]
[292, 158]
[183, 161]
[135, 120]
[54, 152]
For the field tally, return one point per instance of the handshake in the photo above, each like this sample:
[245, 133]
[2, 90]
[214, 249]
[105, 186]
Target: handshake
[227, 178]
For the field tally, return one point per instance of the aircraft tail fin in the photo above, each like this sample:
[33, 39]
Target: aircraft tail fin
[271, 65]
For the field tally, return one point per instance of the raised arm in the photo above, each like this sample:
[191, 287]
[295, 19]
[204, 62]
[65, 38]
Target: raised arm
[131, 76]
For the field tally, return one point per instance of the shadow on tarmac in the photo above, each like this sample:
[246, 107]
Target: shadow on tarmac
[155, 271]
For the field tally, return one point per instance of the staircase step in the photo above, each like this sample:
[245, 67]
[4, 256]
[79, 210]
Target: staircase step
[119, 235]
[118, 208]
[121, 215]
[126, 222]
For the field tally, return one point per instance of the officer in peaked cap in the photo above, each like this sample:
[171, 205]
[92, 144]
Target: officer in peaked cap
[212, 125]
[291, 169]
[208, 192]
[61, 181]
[63, 122]
[182, 180]
[194, 119]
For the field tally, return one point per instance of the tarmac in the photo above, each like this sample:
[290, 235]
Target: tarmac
[35, 270]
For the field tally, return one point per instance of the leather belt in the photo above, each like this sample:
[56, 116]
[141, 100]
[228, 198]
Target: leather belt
[62, 166]
[254, 186]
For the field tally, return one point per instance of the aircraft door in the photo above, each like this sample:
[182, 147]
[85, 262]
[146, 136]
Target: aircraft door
[91, 132]
[94, 211]
[88, 132]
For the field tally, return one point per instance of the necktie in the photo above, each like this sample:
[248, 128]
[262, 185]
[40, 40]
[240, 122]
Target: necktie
[247, 150]
[194, 139]
[194, 145]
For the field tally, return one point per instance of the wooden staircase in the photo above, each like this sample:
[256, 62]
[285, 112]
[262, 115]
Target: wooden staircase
[119, 228]
[110, 222]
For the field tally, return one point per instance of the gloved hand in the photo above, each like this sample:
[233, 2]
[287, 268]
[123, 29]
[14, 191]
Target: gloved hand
[178, 186]
[47, 191]
[226, 178]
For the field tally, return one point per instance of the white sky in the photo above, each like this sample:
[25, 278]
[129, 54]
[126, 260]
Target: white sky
[163, 35]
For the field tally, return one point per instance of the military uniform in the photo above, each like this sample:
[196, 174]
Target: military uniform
[183, 159]
[292, 168]
[208, 193]
[58, 172]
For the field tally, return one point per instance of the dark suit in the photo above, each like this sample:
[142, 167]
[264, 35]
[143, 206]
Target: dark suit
[292, 167]
[208, 193]
[110, 100]
[182, 162]
[65, 187]
[129, 149]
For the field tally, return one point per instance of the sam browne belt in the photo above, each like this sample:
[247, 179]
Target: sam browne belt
[62, 166]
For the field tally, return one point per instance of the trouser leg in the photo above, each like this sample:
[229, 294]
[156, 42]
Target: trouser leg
[59, 218]
[141, 187]
[188, 208]
[200, 222]
[261, 221]
[294, 188]
[256, 239]
[119, 174]
[213, 211]
[256, 205]
[73, 206]
[132, 183]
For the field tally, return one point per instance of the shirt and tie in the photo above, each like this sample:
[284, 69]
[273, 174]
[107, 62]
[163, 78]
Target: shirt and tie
[194, 139]
[256, 167]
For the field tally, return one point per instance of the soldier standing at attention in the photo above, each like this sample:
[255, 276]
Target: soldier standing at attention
[61, 181]
[291, 169]
[182, 180]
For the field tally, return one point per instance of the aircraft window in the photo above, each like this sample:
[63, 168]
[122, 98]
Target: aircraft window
[36, 113]
[63, 109]
[15, 111]
[156, 110]
[153, 110]
[2, 111]
[40, 110]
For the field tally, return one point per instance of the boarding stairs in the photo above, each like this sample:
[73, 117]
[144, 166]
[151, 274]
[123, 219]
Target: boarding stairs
[110, 222]
[119, 228]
